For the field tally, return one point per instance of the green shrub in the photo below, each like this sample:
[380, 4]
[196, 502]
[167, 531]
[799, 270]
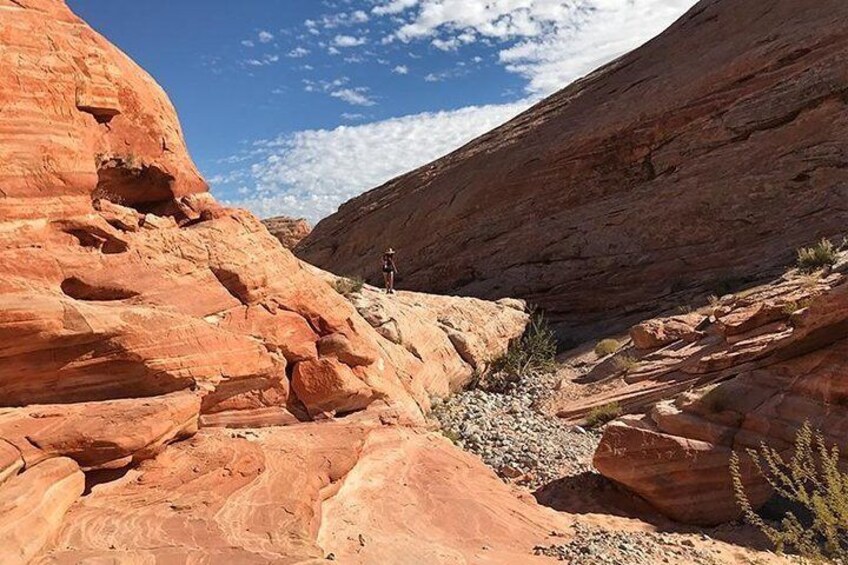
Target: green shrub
[606, 347]
[535, 352]
[348, 285]
[821, 255]
[603, 414]
[812, 480]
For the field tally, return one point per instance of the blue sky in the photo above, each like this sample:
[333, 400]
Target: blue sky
[294, 106]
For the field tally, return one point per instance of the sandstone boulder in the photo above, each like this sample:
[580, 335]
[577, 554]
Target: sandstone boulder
[100, 434]
[454, 337]
[658, 332]
[328, 385]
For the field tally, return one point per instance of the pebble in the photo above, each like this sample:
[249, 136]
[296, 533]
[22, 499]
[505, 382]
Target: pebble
[592, 545]
[511, 435]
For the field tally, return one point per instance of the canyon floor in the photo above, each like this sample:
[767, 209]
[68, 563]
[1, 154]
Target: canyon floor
[518, 434]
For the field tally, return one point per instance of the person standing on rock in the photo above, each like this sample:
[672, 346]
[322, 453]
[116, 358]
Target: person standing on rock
[389, 270]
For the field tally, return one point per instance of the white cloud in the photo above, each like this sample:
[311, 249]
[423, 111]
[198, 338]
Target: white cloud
[354, 96]
[247, 43]
[446, 44]
[401, 70]
[393, 7]
[265, 60]
[338, 88]
[298, 52]
[352, 116]
[348, 41]
[311, 172]
[266, 36]
[359, 17]
[549, 42]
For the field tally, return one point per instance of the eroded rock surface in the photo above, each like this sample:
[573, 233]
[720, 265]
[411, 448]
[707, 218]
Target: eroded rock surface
[289, 231]
[135, 310]
[707, 155]
[289, 495]
[764, 363]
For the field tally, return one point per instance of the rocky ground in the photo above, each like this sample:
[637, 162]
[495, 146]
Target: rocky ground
[512, 434]
[516, 433]
[596, 546]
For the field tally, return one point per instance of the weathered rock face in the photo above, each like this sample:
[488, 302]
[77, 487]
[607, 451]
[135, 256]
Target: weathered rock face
[79, 116]
[454, 337]
[777, 357]
[289, 495]
[707, 155]
[289, 231]
[134, 309]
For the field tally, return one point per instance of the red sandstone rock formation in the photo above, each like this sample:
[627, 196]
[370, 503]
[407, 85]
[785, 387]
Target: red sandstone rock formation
[289, 231]
[705, 156]
[300, 493]
[771, 359]
[134, 310]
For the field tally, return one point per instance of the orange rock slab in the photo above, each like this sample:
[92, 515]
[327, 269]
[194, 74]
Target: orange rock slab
[288, 495]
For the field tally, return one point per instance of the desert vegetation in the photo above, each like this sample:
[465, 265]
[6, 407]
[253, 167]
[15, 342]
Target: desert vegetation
[822, 254]
[347, 286]
[534, 353]
[606, 347]
[811, 481]
[603, 414]
[626, 362]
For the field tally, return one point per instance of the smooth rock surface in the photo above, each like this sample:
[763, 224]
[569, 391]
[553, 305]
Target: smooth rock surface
[288, 495]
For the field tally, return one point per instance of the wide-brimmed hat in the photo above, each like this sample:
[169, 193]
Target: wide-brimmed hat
[389, 251]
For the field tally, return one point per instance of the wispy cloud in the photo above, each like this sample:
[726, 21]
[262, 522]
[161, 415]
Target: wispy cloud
[267, 59]
[266, 36]
[401, 70]
[297, 53]
[393, 7]
[310, 173]
[548, 42]
[340, 88]
[354, 96]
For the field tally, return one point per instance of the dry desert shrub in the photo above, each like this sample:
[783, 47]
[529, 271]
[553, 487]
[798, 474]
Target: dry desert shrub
[606, 347]
[347, 286]
[603, 414]
[812, 481]
[821, 255]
